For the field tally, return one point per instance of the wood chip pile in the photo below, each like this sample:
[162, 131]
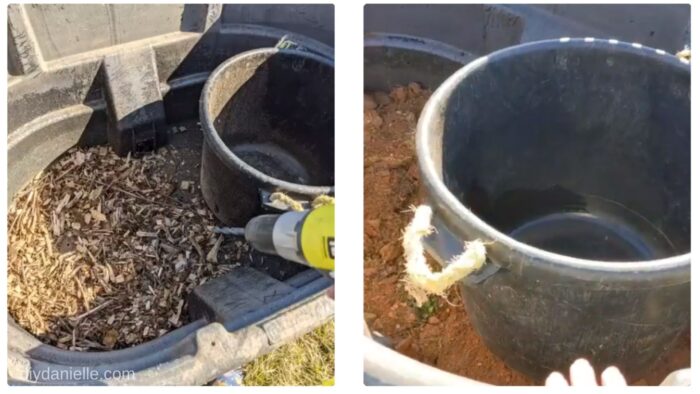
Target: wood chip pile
[103, 249]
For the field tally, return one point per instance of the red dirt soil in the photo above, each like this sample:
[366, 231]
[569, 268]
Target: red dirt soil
[441, 336]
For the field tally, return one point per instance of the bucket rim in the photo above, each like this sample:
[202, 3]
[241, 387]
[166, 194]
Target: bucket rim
[220, 149]
[407, 42]
[446, 203]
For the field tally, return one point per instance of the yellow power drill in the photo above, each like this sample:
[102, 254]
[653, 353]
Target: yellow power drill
[306, 237]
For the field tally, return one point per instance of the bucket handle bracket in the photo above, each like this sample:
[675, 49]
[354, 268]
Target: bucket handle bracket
[443, 246]
[304, 44]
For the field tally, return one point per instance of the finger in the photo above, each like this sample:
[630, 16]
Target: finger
[612, 377]
[556, 379]
[582, 373]
[331, 292]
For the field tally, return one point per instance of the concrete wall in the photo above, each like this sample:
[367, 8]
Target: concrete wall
[39, 34]
[479, 29]
[67, 29]
[472, 27]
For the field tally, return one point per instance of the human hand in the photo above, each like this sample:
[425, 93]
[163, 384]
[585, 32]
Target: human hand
[582, 373]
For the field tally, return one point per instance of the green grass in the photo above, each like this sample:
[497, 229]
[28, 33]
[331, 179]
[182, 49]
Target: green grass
[428, 309]
[309, 361]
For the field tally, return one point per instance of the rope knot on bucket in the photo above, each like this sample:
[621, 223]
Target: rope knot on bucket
[322, 200]
[298, 206]
[291, 203]
[420, 280]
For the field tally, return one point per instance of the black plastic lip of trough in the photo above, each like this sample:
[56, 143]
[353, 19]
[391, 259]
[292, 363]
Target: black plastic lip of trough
[224, 154]
[465, 224]
[419, 44]
[171, 346]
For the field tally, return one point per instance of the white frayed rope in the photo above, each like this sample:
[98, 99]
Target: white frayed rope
[420, 280]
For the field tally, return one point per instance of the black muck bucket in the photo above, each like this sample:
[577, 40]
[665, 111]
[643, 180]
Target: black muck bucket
[571, 159]
[268, 122]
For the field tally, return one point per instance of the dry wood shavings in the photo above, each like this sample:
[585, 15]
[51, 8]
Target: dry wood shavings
[103, 250]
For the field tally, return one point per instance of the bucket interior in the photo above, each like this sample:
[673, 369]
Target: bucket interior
[581, 150]
[275, 111]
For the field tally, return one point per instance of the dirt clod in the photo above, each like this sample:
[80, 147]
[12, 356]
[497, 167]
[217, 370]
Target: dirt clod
[370, 103]
[373, 119]
[399, 94]
[415, 88]
[382, 98]
[390, 252]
